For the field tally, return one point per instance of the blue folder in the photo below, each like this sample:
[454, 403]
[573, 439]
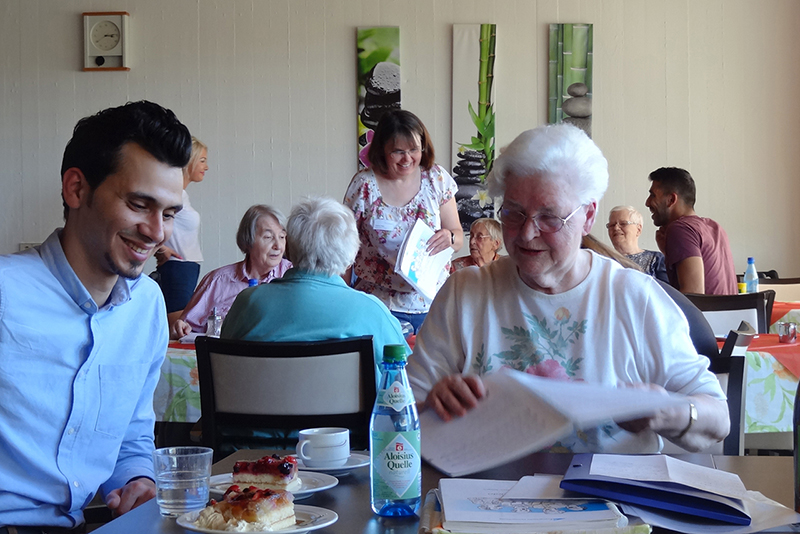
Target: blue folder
[660, 495]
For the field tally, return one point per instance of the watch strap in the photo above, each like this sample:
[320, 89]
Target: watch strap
[692, 419]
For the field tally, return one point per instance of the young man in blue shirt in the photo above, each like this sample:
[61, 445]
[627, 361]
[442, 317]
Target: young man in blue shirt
[82, 334]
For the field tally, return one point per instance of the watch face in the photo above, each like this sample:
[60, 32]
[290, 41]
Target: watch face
[105, 35]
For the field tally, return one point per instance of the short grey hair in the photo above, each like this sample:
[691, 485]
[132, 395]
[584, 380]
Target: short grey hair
[553, 153]
[492, 226]
[321, 236]
[634, 213]
[246, 235]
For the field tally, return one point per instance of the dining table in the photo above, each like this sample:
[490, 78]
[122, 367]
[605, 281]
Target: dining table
[772, 375]
[350, 498]
[786, 312]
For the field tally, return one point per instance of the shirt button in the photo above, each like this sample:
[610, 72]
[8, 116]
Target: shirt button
[87, 305]
[71, 431]
[75, 483]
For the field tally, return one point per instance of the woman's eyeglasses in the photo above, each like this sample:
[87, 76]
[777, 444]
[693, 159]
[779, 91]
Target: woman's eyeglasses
[398, 154]
[620, 223]
[547, 224]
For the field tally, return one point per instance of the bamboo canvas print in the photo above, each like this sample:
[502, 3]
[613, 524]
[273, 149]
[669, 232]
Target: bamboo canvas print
[378, 72]
[570, 75]
[473, 118]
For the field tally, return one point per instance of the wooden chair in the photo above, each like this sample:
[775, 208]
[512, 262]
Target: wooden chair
[285, 386]
[731, 371]
[725, 312]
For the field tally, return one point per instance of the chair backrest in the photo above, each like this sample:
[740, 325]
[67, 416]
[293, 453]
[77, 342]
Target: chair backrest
[786, 289]
[731, 371]
[725, 312]
[285, 385]
[700, 331]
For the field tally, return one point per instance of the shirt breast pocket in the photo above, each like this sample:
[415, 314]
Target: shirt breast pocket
[120, 388]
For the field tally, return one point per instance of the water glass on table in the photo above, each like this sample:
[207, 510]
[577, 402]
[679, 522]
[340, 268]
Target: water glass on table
[182, 477]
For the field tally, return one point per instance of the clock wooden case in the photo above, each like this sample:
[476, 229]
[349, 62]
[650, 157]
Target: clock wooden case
[105, 41]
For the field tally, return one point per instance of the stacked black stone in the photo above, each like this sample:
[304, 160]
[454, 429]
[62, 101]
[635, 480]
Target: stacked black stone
[578, 108]
[467, 174]
[382, 93]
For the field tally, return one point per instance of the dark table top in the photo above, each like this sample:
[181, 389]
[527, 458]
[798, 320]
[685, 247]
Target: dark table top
[771, 475]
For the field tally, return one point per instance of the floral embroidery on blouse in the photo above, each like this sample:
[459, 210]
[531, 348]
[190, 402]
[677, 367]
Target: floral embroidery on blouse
[382, 227]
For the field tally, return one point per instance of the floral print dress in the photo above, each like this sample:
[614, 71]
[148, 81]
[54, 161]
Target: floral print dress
[382, 228]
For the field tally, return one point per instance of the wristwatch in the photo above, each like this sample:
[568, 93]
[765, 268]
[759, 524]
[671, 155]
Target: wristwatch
[452, 237]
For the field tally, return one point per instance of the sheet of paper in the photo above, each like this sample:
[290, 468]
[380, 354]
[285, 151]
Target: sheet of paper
[416, 266]
[538, 486]
[765, 513]
[190, 337]
[660, 468]
[509, 412]
[586, 405]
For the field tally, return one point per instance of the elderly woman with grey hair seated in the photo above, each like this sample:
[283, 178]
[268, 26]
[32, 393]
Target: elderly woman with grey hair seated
[624, 228]
[485, 240]
[262, 239]
[312, 302]
[558, 311]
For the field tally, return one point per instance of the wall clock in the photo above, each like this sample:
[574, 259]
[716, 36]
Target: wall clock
[105, 36]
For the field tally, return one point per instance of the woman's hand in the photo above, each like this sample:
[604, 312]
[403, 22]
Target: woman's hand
[455, 395]
[164, 253]
[441, 240]
[179, 329]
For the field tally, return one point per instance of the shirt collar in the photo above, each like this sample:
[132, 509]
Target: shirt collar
[55, 260]
[241, 272]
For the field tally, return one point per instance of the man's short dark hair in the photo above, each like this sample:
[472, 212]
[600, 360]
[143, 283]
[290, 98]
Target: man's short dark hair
[676, 180]
[97, 140]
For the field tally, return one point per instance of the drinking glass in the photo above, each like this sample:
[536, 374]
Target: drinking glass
[182, 477]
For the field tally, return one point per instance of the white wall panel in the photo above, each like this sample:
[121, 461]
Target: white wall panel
[269, 85]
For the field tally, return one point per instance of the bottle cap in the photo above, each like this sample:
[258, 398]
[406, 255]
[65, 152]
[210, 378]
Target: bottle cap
[252, 282]
[751, 260]
[394, 353]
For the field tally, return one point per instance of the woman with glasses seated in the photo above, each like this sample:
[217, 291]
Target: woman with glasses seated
[555, 310]
[402, 184]
[624, 228]
[485, 240]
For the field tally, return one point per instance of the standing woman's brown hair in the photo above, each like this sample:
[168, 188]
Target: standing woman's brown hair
[403, 124]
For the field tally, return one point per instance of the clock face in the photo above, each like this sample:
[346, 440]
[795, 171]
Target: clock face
[105, 35]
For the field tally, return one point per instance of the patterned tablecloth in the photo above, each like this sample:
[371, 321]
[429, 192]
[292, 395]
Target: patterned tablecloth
[177, 395]
[785, 312]
[772, 371]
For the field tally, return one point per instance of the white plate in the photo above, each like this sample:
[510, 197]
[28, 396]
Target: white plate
[308, 518]
[309, 483]
[355, 461]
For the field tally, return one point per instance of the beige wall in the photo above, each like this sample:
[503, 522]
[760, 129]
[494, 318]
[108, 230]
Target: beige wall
[709, 85]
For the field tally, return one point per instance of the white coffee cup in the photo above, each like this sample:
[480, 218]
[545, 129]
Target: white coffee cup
[324, 447]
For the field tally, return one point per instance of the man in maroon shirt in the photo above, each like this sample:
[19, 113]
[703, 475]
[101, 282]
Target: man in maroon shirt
[697, 251]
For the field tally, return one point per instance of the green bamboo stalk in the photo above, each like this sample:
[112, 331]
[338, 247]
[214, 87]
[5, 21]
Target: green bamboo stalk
[560, 76]
[489, 141]
[589, 58]
[552, 75]
[482, 72]
[567, 55]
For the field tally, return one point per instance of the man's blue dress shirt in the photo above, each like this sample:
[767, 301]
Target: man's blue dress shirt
[76, 386]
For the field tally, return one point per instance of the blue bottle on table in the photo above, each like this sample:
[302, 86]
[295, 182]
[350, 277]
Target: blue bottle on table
[394, 443]
[751, 277]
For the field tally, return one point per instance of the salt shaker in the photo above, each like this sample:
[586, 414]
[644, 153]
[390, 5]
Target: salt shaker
[214, 323]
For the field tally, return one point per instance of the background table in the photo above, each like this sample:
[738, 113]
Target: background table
[177, 395]
[784, 312]
[771, 475]
[772, 371]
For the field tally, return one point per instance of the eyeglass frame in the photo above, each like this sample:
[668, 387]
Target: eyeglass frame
[535, 219]
[609, 226]
[398, 154]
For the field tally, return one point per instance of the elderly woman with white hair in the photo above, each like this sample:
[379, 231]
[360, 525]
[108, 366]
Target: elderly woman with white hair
[485, 240]
[624, 228]
[555, 310]
[311, 302]
[262, 238]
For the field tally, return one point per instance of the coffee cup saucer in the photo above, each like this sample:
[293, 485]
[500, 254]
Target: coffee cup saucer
[355, 461]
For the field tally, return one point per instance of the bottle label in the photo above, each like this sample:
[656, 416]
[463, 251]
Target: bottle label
[395, 396]
[396, 465]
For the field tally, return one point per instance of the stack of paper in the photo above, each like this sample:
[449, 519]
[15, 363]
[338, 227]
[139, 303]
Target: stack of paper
[532, 505]
[416, 266]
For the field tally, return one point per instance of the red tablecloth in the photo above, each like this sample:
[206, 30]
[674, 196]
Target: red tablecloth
[780, 309]
[788, 354]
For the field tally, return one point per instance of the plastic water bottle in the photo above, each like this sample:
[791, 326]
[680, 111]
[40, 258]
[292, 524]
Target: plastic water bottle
[751, 277]
[394, 442]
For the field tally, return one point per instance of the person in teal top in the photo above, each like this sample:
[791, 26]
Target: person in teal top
[311, 302]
